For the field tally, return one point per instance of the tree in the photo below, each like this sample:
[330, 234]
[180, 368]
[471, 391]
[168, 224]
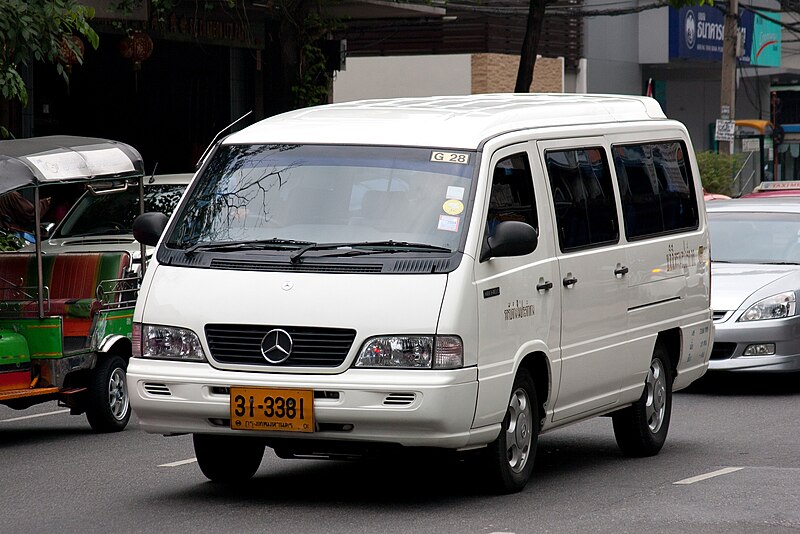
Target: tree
[35, 31]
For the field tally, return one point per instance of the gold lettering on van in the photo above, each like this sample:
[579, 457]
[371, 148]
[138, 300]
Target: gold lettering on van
[518, 310]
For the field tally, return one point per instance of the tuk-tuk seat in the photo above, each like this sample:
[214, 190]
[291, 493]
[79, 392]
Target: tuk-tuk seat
[71, 280]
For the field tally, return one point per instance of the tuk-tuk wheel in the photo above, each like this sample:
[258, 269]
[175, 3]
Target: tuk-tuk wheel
[108, 406]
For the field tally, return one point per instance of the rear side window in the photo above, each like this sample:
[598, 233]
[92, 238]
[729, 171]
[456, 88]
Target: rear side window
[580, 181]
[656, 187]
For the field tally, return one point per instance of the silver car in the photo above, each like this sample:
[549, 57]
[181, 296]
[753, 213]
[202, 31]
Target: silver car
[102, 221]
[755, 280]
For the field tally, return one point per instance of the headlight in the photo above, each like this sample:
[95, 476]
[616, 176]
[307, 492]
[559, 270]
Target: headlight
[166, 343]
[774, 307]
[412, 352]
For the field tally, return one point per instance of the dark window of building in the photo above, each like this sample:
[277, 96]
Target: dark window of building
[586, 213]
[655, 183]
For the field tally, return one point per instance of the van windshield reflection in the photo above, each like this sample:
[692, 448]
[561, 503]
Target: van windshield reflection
[327, 197]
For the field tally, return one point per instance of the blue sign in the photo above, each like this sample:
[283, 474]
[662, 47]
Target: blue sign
[697, 32]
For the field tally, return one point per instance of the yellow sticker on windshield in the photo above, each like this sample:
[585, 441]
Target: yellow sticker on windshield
[450, 157]
[453, 207]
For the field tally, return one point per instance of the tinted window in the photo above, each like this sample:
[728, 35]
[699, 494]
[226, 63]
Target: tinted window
[113, 214]
[656, 187]
[512, 196]
[586, 213]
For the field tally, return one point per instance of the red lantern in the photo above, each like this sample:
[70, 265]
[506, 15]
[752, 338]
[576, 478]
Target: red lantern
[137, 46]
[66, 54]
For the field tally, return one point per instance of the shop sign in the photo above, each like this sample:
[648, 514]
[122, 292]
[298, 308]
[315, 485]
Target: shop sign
[697, 32]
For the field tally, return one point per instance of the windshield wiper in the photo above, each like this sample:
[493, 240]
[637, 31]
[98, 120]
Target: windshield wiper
[252, 244]
[382, 246]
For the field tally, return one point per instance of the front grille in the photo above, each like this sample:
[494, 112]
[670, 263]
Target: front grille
[312, 347]
[719, 315]
[305, 267]
[722, 351]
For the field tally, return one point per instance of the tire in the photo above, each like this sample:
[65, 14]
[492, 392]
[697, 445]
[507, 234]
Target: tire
[227, 459]
[108, 407]
[641, 429]
[509, 459]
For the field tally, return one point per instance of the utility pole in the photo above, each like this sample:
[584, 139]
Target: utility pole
[727, 98]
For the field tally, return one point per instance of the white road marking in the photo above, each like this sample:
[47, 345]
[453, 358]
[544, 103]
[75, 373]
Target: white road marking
[180, 462]
[32, 416]
[712, 474]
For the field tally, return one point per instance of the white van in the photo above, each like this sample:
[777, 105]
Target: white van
[461, 273]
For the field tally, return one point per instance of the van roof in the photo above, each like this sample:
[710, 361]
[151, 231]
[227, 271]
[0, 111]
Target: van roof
[443, 121]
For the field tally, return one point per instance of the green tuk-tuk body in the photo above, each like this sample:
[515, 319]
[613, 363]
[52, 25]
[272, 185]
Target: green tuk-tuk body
[65, 319]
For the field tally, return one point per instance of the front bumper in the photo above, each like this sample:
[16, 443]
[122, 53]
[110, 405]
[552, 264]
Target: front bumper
[732, 338]
[406, 407]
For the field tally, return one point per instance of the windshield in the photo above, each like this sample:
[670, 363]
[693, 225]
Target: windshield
[113, 214]
[747, 237]
[314, 194]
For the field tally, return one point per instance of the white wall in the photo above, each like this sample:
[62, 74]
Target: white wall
[398, 76]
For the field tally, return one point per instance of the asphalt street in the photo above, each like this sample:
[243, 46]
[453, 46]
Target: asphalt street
[730, 465]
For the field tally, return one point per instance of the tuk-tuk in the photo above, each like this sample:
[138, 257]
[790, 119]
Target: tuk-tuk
[65, 318]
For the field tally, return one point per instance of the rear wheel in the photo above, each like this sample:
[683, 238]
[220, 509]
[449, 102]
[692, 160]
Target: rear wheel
[641, 429]
[509, 459]
[108, 406]
[227, 459]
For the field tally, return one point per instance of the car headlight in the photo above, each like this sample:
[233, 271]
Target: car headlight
[774, 307]
[412, 352]
[166, 343]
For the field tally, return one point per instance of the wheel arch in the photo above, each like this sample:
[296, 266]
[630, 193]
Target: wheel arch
[538, 366]
[116, 344]
[671, 340]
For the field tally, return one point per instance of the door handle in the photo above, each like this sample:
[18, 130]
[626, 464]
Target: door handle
[570, 281]
[544, 286]
[621, 271]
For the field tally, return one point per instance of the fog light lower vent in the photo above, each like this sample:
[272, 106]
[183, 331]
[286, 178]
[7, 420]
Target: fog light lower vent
[399, 399]
[157, 389]
[760, 349]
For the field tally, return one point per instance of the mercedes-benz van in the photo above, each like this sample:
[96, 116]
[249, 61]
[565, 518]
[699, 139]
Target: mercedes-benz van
[461, 273]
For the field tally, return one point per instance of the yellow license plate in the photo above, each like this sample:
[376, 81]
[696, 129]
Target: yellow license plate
[283, 410]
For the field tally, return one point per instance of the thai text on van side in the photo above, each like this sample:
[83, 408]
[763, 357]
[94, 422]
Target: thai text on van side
[680, 259]
[518, 310]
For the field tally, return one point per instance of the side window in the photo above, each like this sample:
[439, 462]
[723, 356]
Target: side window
[512, 196]
[655, 183]
[586, 213]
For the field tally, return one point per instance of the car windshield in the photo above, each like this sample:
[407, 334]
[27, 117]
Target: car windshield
[314, 194]
[113, 214]
[755, 237]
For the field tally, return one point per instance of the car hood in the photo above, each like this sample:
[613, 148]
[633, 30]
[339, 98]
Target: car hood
[733, 283]
[91, 244]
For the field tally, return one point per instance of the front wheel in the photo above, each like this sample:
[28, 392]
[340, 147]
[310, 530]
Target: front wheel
[641, 429]
[108, 406]
[227, 459]
[509, 459]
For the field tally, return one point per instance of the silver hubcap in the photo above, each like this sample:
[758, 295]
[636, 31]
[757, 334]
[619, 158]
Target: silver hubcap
[519, 431]
[656, 404]
[118, 394]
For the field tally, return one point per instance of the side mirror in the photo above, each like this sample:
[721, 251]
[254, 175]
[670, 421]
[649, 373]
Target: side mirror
[148, 227]
[511, 238]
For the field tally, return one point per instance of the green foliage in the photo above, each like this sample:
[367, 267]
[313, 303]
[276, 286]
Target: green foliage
[314, 83]
[9, 242]
[34, 31]
[718, 170]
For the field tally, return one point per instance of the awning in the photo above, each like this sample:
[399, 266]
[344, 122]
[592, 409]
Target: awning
[63, 159]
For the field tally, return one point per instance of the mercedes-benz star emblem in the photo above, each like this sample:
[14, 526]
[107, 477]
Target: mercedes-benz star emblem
[276, 346]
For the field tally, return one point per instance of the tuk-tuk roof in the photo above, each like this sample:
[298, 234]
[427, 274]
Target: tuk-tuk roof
[62, 158]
